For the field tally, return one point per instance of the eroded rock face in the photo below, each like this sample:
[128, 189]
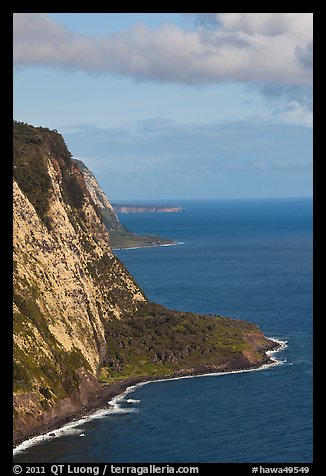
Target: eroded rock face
[67, 282]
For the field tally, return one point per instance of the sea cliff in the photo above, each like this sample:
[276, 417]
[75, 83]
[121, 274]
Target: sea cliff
[81, 322]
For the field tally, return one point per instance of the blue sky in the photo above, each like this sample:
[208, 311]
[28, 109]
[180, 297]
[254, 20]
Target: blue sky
[171, 106]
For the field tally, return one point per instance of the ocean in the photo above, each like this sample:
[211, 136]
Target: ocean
[246, 259]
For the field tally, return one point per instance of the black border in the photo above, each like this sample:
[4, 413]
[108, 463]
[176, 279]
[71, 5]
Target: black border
[6, 237]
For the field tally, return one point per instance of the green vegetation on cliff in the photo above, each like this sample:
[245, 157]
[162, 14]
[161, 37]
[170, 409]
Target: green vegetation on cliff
[32, 148]
[156, 341]
[29, 167]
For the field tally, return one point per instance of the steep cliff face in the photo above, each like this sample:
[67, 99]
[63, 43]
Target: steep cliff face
[67, 282]
[79, 317]
[120, 236]
[109, 216]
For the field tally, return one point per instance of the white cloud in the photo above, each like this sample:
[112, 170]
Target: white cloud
[297, 25]
[239, 47]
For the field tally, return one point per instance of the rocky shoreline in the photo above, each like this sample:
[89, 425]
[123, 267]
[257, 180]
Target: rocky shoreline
[115, 389]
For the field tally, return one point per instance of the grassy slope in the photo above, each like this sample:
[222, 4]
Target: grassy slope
[160, 342]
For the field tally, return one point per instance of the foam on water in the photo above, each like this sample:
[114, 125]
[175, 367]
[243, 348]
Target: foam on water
[282, 346]
[68, 429]
[72, 428]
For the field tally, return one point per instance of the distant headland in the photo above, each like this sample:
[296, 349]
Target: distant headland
[132, 208]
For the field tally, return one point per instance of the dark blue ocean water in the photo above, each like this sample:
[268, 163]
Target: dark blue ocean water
[246, 259]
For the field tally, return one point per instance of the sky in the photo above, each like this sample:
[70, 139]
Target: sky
[173, 106]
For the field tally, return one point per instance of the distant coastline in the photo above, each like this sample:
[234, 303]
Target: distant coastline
[132, 208]
[155, 245]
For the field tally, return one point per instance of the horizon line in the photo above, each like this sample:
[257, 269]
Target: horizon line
[174, 200]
